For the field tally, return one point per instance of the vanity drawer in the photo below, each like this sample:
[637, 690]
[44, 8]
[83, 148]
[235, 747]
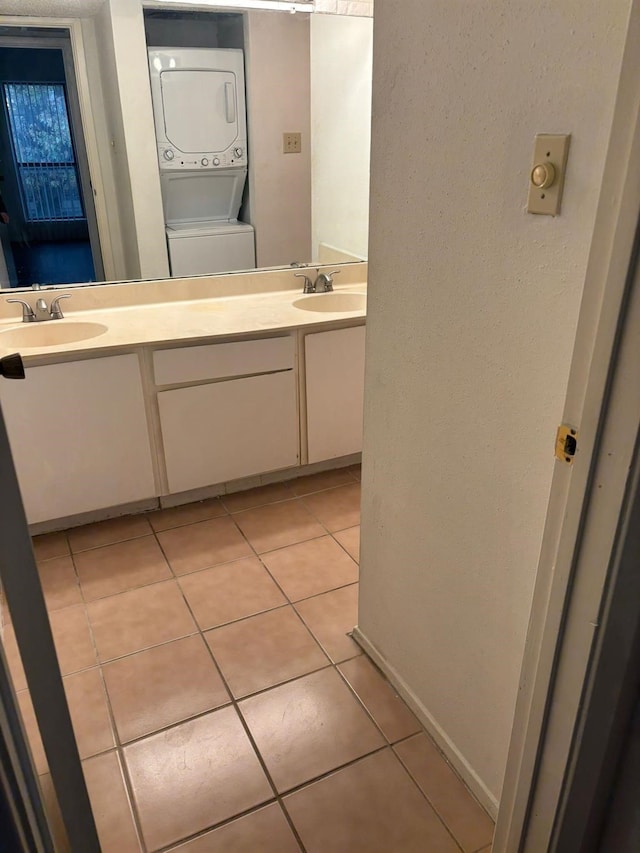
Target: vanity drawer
[222, 361]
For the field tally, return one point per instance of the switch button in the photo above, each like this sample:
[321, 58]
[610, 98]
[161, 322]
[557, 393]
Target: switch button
[543, 175]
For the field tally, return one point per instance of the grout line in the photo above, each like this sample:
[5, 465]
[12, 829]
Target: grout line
[119, 748]
[432, 805]
[296, 788]
[254, 746]
[203, 832]
[124, 771]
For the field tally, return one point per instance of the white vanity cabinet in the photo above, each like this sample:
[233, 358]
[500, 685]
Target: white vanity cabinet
[79, 436]
[241, 419]
[334, 371]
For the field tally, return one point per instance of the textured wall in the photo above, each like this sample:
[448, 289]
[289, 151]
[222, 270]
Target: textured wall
[471, 319]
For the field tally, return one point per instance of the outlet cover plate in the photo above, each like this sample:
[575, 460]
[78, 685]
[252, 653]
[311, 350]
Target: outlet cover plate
[291, 143]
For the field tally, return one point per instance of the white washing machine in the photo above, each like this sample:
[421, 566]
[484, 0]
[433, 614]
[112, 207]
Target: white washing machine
[201, 133]
[201, 248]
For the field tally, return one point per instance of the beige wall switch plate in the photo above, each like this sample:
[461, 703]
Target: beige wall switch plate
[292, 143]
[546, 179]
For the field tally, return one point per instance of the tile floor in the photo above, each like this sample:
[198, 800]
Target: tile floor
[219, 704]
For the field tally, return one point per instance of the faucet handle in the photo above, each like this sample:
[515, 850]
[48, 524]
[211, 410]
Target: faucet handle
[28, 315]
[55, 310]
[309, 286]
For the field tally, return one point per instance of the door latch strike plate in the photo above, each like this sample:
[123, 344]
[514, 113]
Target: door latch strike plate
[566, 443]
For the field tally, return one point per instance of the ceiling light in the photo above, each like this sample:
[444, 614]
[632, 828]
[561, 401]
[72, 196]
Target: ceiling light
[275, 5]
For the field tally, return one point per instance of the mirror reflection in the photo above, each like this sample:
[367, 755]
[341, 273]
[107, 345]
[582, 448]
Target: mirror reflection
[175, 142]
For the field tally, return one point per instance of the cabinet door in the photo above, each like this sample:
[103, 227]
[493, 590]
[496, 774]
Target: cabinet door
[335, 385]
[79, 436]
[226, 430]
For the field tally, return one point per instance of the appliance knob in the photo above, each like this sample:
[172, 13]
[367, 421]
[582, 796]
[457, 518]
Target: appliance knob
[204, 161]
[168, 154]
[238, 152]
[216, 161]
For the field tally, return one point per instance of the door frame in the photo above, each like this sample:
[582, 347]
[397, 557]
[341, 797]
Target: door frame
[580, 528]
[62, 44]
[77, 62]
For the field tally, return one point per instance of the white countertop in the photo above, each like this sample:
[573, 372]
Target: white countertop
[161, 323]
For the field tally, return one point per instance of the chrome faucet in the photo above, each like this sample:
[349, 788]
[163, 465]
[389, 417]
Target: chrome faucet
[42, 311]
[324, 281]
[322, 284]
[309, 286]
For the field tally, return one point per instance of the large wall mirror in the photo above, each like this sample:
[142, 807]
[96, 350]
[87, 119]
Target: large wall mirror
[112, 166]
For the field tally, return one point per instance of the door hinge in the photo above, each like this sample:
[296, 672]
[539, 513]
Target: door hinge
[566, 443]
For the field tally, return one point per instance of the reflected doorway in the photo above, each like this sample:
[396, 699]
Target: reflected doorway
[48, 226]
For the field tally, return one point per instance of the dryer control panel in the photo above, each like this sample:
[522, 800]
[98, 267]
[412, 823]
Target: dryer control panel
[172, 159]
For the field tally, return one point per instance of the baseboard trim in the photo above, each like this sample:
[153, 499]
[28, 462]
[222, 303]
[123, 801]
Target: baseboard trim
[444, 743]
[181, 498]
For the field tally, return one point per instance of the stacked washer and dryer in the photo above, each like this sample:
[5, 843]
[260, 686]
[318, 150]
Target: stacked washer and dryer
[201, 133]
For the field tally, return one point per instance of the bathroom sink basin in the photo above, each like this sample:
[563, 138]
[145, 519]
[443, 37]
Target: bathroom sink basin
[51, 333]
[332, 302]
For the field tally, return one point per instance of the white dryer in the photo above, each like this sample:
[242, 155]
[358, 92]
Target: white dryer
[199, 108]
[201, 133]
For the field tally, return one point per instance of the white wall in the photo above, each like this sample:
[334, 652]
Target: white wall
[129, 78]
[341, 56]
[107, 119]
[471, 319]
[345, 7]
[277, 80]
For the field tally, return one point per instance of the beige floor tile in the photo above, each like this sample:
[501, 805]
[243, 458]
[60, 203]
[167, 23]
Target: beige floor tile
[89, 712]
[59, 583]
[330, 617]
[32, 731]
[265, 650]
[380, 699]
[466, 819]
[277, 525]
[177, 516]
[10, 646]
[260, 496]
[110, 804]
[323, 480]
[193, 776]
[116, 568]
[108, 532]
[350, 541]
[308, 727]
[50, 545]
[370, 807]
[72, 639]
[231, 591]
[311, 568]
[54, 816]
[199, 546]
[163, 686]
[136, 620]
[337, 508]
[262, 831]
